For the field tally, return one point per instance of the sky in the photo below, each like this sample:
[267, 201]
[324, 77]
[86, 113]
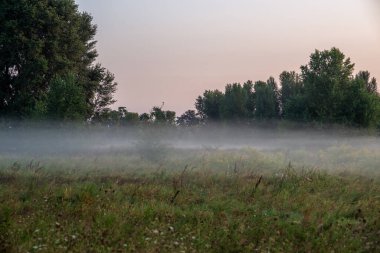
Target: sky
[171, 51]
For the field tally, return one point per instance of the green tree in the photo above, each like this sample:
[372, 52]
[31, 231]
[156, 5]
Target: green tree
[266, 100]
[329, 92]
[361, 107]
[42, 39]
[100, 87]
[326, 77]
[250, 102]
[272, 85]
[209, 105]
[144, 117]
[119, 117]
[189, 118]
[236, 103]
[159, 116]
[370, 83]
[65, 100]
[291, 89]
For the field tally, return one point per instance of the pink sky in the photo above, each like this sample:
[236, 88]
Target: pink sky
[171, 51]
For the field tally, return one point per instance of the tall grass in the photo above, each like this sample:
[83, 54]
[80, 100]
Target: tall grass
[192, 201]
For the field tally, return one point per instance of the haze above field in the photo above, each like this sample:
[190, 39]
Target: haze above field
[173, 50]
[42, 141]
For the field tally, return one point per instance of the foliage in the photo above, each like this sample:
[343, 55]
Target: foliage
[236, 101]
[325, 92]
[122, 117]
[291, 87]
[48, 70]
[209, 105]
[188, 119]
[370, 83]
[326, 77]
[40, 40]
[266, 99]
[119, 117]
[101, 87]
[65, 100]
[160, 116]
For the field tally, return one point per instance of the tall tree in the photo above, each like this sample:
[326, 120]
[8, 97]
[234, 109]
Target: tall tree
[272, 85]
[41, 40]
[209, 105]
[65, 100]
[189, 118]
[100, 88]
[361, 107]
[159, 116]
[291, 86]
[119, 117]
[370, 83]
[325, 78]
[250, 103]
[235, 102]
[265, 101]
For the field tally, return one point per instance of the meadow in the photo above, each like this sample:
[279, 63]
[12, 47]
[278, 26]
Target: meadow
[192, 200]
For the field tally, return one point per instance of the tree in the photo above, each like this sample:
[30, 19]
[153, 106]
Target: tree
[188, 119]
[144, 117]
[159, 116]
[325, 78]
[272, 85]
[370, 83]
[101, 86]
[236, 102]
[291, 89]
[361, 106]
[328, 92]
[130, 118]
[43, 39]
[250, 102]
[65, 100]
[209, 105]
[266, 100]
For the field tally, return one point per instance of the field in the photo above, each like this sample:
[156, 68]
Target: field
[192, 200]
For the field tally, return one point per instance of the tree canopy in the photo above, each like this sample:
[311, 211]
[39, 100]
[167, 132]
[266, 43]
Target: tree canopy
[42, 41]
[325, 91]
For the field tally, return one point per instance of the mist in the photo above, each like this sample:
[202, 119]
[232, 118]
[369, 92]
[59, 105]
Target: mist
[332, 148]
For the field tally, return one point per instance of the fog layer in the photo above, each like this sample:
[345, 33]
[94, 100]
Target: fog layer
[69, 140]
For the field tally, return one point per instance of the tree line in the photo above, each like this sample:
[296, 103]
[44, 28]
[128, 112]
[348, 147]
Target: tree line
[48, 71]
[325, 91]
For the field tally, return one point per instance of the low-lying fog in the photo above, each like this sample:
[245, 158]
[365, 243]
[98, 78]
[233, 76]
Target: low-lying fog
[211, 148]
[67, 141]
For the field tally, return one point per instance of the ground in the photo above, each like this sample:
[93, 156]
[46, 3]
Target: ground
[191, 201]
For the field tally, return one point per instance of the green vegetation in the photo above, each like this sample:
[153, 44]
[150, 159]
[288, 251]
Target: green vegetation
[326, 91]
[192, 201]
[42, 41]
[152, 198]
[48, 71]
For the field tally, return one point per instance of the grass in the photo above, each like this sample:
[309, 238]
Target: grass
[194, 201]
